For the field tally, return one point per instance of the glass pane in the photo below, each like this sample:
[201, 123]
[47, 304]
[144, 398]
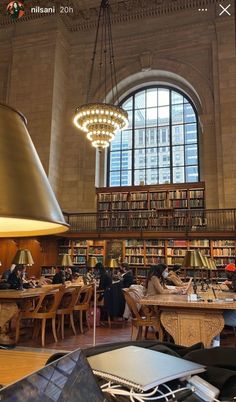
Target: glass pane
[139, 177]
[178, 156]
[164, 157]
[116, 142]
[126, 160]
[189, 114]
[126, 178]
[130, 119]
[115, 179]
[176, 98]
[151, 117]
[128, 104]
[115, 160]
[139, 118]
[151, 158]
[164, 176]
[178, 175]
[163, 136]
[151, 176]
[191, 157]
[127, 139]
[139, 138]
[177, 135]
[190, 133]
[163, 115]
[139, 100]
[177, 114]
[191, 173]
[139, 159]
[163, 97]
[151, 97]
[151, 137]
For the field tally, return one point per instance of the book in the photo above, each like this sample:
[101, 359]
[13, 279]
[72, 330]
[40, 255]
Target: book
[140, 368]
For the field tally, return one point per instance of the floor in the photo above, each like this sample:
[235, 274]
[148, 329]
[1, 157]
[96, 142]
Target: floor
[118, 332]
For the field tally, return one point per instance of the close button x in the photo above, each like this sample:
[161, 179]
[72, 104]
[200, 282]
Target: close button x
[225, 9]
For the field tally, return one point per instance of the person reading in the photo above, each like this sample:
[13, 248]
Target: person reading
[155, 283]
[173, 277]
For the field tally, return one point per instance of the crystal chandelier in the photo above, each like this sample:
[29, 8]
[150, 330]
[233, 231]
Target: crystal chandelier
[101, 120]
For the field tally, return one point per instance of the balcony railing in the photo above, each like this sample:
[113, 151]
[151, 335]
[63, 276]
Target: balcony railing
[188, 221]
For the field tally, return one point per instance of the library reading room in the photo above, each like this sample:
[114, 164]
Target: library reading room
[118, 200]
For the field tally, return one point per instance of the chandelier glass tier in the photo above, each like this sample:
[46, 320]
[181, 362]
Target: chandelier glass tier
[100, 120]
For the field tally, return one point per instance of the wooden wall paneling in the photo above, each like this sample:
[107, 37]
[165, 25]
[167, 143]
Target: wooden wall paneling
[8, 249]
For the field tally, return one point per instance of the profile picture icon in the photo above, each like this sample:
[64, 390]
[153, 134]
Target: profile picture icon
[15, 9]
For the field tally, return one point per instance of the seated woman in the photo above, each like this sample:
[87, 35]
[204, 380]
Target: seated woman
[17, 279]
[173, 277]
[62, 275]
[155, 281]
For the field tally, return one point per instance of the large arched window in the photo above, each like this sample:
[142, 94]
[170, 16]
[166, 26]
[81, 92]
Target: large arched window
[160, 144]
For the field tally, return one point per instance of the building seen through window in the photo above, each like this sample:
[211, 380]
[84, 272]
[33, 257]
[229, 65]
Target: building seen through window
[160, 144]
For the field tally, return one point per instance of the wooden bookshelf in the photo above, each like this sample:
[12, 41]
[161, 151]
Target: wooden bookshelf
[81, 250]
[124, 207]
[140, 254]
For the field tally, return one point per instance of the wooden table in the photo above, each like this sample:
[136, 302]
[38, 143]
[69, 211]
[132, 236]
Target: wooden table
[190, 322]
[16, 364]
[12, 300]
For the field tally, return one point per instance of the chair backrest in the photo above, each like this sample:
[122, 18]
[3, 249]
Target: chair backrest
[132, 303]
[85, 295]
[70, 298]
[50, 299]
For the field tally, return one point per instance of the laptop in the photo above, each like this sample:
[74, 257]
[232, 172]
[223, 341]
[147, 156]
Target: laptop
[140, 368]
[69, 378]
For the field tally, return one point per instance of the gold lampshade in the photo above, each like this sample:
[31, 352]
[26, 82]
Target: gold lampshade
[64, 260]
[112, 263]
[28, 205]
[212, 264]
[92, 261]
[192, 259]
[206, 262]
[23, 257]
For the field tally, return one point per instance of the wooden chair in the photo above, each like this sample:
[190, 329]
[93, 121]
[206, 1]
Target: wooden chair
[46, 308]
[83, 304]
[139, 322]
[66, 307]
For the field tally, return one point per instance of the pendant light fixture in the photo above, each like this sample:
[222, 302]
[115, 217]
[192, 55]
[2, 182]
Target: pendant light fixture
[28, 206]
[100, 120]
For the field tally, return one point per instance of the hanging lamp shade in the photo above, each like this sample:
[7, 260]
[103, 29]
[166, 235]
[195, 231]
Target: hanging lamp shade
[28, 205]
[64, 260]
[23, 257]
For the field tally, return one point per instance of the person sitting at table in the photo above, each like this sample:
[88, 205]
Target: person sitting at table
[89, 277]
[229, 315]
[155, 281]
[62, 275]
[173, 276]
[16, 280]
[126, 275]
[7, 272]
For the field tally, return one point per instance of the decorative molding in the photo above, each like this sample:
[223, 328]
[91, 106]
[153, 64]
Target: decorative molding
[83, 18]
